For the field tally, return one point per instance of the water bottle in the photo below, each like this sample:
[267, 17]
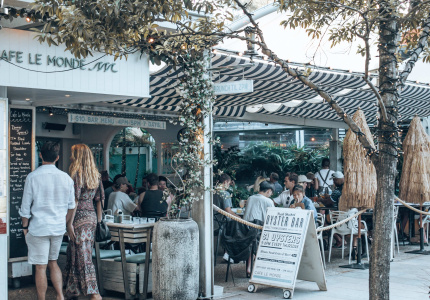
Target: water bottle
[120, 214]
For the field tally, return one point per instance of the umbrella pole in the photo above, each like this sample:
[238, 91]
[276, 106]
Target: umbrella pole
[421, 251]
[359, 265]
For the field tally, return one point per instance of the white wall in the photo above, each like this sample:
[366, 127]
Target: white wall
[129, 78]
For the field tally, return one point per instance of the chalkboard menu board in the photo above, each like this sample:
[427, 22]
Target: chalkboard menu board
[21, 162]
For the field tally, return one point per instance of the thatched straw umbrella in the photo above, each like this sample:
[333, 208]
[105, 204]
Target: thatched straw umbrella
[359, 190]
[415, 180]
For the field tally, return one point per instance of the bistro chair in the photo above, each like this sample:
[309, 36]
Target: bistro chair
[219, 221]
[394, 236]
[348, 228]
[320, 224]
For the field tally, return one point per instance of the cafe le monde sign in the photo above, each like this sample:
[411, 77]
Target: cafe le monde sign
[19, 57]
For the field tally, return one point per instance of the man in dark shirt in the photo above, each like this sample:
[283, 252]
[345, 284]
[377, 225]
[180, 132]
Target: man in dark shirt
[338, 180]
[151, 202]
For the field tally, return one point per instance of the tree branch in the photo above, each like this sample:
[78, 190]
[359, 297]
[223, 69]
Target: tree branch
[422, 43]
[333, 104]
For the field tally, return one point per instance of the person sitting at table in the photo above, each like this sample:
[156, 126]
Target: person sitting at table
[286, 197]
[299, 197]
[256, 208]
[257, 204]
[274, 177]
[303, 181]
[338, 181]
[312, 187]
[256, 187]
[119, 200]
[226, 203]
[151, 202]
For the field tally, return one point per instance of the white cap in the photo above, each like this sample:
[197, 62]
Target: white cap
[337, 174]
[303, 178]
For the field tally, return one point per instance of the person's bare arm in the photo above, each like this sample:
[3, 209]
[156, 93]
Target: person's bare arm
[228, 209]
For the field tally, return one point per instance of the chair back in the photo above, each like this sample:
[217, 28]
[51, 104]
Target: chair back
[337, 216]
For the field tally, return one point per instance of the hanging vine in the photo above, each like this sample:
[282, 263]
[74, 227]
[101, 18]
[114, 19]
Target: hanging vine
[197, 94]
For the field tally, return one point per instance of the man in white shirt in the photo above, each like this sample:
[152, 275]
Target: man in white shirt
[120, 200]
[48, 203]
[286, 197]
[256, 205]
[325, 177]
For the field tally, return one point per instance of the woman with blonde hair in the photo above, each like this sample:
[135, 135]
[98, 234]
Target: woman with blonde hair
[257, 182]
[79, 274]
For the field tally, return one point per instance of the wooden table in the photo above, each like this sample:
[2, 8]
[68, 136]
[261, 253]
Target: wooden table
[133, 234]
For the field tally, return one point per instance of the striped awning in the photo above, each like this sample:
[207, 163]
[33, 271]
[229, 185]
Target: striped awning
[277, 93]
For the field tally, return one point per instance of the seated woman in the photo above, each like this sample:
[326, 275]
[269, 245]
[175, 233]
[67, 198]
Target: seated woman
[299, 197]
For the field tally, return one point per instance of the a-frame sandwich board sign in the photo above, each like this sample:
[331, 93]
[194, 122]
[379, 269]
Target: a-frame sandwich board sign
[288, 251]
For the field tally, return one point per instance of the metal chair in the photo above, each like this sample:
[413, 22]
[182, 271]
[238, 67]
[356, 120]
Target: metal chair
[320, 223]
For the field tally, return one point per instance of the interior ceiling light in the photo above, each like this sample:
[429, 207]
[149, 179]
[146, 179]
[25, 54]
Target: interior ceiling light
[67, 95]
[317, 99]
[27, 99]
[293, 103]
[28, 20]
[254, 108]
[271, 107]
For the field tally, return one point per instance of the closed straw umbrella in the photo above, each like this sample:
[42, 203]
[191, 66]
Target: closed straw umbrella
[359, 189]
[415, 179]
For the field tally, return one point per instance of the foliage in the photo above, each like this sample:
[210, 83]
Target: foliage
[227, 160]
[122, 27]
[239, 193]
[263, 158]
[197, 93]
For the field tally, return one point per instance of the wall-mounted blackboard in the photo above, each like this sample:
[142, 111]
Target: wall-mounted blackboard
[21, 162]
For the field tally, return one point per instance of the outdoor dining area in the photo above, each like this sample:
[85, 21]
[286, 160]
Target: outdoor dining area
[343, 207]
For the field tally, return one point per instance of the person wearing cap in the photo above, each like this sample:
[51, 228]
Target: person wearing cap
[286, 197]
[119, 200]
[257, 204]
[303, 181]
[338, 180]
[110, 190]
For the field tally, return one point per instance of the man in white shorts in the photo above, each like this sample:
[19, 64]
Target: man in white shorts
[48, 200]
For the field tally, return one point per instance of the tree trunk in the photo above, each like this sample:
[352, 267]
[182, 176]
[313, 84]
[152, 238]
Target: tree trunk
[124, 153]
[379, 275]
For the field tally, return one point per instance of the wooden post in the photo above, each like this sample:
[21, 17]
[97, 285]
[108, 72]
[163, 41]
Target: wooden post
[124, 264]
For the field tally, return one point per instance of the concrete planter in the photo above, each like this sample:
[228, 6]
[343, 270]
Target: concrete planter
[175, 260]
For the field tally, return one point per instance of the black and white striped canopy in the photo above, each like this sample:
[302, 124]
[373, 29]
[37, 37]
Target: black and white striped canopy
[273, 86]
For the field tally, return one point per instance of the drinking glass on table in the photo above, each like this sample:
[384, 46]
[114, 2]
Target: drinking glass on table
[151, 220]
[242, 203]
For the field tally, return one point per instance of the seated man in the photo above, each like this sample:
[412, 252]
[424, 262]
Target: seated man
[286, 197]
[338, 180]
[144, 186]
[226, 203]
[151, 202]
[257, 204]
[119, 200]
[274, 177]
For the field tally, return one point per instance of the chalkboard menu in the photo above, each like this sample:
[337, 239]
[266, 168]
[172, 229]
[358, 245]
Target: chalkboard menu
[21, 162]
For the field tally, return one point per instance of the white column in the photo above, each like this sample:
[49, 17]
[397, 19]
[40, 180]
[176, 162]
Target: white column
[4, 237]
[202, 214]
[335, 151]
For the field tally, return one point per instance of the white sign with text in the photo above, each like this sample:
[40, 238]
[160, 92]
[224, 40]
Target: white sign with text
[288, 250]
[234, 87]
[112, 121]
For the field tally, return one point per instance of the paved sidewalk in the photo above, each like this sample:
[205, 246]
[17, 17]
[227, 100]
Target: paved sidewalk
[409, 280]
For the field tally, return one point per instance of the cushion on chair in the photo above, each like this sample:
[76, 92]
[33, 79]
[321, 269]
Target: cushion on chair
[107, 254]
[135, 258]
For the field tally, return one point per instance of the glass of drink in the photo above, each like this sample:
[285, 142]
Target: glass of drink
[242, 203]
